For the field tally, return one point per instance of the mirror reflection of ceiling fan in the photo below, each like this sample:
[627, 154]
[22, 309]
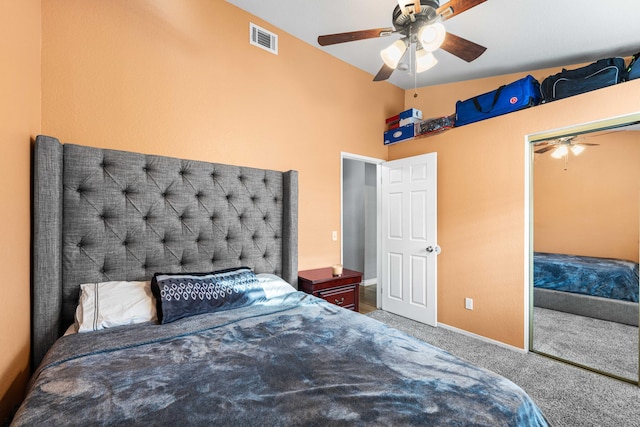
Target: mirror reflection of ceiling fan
[420, 22]
[562, 146]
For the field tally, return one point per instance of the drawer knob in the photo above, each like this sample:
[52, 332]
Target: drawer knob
[339, 301]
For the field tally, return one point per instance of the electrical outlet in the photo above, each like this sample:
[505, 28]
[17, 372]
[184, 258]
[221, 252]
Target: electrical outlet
[468, 303]
[334, 236]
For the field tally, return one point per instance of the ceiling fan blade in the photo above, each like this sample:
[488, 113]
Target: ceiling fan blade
[587, 143]
[456, 7]
[545, 149]
[384, 73]
[462, 48]
[330, 39]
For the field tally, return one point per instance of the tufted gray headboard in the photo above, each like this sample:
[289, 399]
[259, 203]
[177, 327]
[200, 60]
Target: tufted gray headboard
[102, 215]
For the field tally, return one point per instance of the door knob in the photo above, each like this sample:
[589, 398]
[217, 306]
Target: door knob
[435, 249]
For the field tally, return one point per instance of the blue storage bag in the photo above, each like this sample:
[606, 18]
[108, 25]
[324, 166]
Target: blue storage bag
[515, 96]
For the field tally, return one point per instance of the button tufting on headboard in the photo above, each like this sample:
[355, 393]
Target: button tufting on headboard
[176, 215]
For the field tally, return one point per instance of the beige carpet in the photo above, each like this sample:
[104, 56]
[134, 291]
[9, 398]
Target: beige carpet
[568, 396]
[606, 346]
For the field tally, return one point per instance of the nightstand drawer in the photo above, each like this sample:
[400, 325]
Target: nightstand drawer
[344, 296]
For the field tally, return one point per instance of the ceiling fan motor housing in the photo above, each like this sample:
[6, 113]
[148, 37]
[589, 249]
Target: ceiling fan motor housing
[426, 15]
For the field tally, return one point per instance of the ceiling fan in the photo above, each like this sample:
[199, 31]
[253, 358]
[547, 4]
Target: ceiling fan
[420, 22]
[562, 146]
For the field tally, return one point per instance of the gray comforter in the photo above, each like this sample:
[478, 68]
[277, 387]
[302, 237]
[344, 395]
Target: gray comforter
[291, 360]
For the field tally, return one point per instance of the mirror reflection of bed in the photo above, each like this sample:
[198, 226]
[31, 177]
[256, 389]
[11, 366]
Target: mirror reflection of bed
[585, 244]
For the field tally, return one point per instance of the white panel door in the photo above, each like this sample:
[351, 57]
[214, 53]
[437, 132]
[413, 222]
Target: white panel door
[409, 240]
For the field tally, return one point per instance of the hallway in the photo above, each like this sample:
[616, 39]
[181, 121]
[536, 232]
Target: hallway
[368, 298]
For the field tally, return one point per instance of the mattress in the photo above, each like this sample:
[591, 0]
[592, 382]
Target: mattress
[602, 277]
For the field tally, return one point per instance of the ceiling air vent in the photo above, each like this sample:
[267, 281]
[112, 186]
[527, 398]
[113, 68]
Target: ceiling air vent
[262, 38]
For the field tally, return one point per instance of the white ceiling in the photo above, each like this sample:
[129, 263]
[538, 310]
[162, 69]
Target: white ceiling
[520, 35]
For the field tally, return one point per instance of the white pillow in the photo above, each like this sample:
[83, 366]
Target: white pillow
[109, 304]
[274, 285]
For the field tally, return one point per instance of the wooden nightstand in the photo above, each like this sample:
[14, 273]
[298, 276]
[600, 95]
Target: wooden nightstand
[343, 290]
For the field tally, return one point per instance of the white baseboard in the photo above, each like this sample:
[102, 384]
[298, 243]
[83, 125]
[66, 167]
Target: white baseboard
[480, 337]
[369, 282]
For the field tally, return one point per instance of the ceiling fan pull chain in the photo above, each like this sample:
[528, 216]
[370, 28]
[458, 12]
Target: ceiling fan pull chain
[412, 51]
[412, 58]
[415, 84]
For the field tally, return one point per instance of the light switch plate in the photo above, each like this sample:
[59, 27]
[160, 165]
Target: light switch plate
[468, 303]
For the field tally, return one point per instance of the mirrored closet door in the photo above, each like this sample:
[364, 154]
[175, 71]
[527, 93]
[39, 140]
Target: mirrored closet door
[585, 218]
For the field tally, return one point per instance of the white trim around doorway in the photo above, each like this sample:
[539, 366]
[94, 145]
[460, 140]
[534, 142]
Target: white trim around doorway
[378, 163]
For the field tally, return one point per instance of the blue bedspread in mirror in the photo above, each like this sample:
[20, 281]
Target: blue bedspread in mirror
[289, 360]
[602, 277]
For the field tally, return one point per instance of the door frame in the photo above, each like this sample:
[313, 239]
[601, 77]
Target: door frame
[378, 162]
[528, 241]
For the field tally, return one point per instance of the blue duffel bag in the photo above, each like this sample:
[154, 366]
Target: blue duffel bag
[515, 96]
[602, 73]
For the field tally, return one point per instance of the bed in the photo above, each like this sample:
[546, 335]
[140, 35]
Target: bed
[601, 288]
[259, 353]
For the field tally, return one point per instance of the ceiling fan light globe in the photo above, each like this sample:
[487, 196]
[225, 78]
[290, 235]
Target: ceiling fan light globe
[424, 60]
[432, 36]
[577, 149]
[560, 152]
[393, 54]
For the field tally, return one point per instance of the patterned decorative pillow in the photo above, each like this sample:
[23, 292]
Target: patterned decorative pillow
[188, 294]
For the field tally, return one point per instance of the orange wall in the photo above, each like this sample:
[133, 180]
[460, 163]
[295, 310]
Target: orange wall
[19, 122]
[181, 79]
[590, 206]
[177, 79]
[481, 197]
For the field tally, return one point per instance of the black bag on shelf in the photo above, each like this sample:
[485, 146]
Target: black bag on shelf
[605, 72]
